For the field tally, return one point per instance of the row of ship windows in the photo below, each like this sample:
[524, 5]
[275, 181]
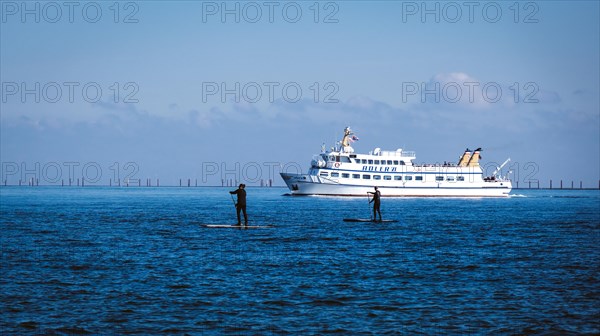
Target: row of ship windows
[389, 162]
[389, 177]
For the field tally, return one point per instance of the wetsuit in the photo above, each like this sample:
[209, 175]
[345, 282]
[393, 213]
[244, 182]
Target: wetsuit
[241, 205]
[376, 204]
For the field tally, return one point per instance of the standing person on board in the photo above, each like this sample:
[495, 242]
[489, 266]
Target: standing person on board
[241, 203]
[376, 203]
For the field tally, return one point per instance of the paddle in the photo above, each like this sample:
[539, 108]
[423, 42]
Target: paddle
[234, 205]
[233, 200]
[369, 206]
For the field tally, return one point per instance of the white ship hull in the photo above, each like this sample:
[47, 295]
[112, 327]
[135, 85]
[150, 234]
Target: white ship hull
[304, 184]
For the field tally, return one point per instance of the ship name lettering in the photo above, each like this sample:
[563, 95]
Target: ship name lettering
[380, 169]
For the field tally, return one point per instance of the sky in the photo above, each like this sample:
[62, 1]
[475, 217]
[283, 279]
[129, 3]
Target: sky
[212, 91]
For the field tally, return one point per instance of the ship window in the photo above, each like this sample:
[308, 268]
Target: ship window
[389, 162]
[418, 178]
[395, 162]
[450, 178]
[370, 161]
[345, 159]
[345, 175]
[439, 178]
[324, 174]
[353, 155]
[357, 160]
[377, 177]
[356, 176]
[398, 178]
[402, 163]
[376, 161]
[460, 178]
[335, 174]
[408, 178]
[387, 177]
[367, 177]
[364, 161]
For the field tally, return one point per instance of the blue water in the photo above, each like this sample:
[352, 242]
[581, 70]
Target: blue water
[138, 261]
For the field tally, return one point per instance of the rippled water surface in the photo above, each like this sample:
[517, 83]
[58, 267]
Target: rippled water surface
[138, 261]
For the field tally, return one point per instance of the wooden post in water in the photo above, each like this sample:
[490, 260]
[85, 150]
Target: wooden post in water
[571, 184]
[550, 184]
[560, 184]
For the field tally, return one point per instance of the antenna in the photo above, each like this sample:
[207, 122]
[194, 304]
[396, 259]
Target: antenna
[499, 168]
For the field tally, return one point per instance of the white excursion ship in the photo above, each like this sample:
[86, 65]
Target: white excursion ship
[341, 172]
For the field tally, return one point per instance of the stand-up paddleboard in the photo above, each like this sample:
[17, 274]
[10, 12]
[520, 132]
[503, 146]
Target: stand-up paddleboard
[368, 220]
[225, 226]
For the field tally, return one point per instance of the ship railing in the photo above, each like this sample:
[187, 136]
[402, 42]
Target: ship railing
[394, 153]
[449, 164]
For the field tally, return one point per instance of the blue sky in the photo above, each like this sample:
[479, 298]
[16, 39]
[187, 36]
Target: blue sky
[355, 67]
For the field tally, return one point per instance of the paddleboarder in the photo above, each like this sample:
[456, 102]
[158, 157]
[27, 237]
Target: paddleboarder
[241, 203]
[376, 203]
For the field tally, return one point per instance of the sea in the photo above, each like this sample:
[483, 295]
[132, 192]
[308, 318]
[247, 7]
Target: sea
[139, 261]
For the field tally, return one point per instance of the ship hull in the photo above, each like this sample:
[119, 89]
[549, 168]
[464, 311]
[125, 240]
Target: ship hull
[305, 184]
